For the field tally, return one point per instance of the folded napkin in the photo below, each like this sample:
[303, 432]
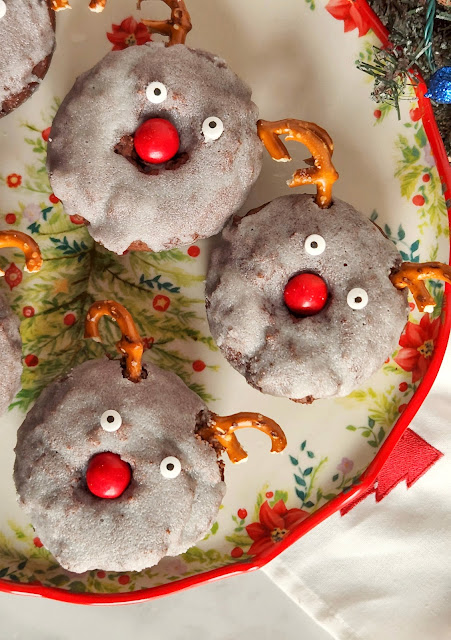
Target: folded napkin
[381, 569]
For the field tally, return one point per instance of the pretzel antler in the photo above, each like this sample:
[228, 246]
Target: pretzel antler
[412, 274]
[221, 429]
[177, 27]
[130, 345]
[96, 6]
[319, 143]
[19, 240]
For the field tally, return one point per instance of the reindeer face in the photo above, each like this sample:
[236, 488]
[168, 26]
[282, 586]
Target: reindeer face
[174, 487]
[170, 132]
[305, 307]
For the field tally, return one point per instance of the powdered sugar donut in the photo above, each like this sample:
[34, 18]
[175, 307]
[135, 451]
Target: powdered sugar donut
[156, 515]
[11, 355]
[323, 355]
[171, 198]
[27, 41]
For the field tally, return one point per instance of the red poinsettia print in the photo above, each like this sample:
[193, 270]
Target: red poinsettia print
[13, 276]
[417, 346]
[275, 523]
[347, 11]
[128, 33]
[13, 180]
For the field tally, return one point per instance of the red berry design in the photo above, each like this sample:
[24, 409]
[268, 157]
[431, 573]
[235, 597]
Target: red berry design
[156, 140]
[269, 494]
[46, 134]
[161, 303]
[108, 475]
[53, 199]
[402, 407]
[193, 251]
[123, 580]
[198, 365]
[76, 219]
[10, 218]
[242, 514]
[377, 113]
[403, 386]
[426, 177]
[13, 276]
[101, 574]
[387, 361]
[31, 360]
[70, 319]
[411, 306]
[236, 552]
[28, 312]
[148, 342]
[415, 114]
[418, 200]
[305, 294]
[37, 543]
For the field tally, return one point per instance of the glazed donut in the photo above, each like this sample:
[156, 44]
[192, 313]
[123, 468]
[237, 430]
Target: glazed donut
[27, 41]
[357, 315]
[94, 410]
[11, 355]
[132, 194]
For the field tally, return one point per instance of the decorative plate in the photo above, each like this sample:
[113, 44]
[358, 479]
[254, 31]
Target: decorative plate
[300, 63]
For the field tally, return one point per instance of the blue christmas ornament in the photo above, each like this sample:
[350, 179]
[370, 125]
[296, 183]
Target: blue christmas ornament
[440, 86]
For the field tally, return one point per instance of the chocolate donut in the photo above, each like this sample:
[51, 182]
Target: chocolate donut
[176, 483]
[27, 41]
[177, 196]
[323, 355]
[11, 355]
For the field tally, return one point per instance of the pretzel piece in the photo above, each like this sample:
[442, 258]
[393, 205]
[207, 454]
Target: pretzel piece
[19, 240]
[59, 5]
[318, 142]
[412, 274]
[221, 429]
[130, 345]
[177, 28]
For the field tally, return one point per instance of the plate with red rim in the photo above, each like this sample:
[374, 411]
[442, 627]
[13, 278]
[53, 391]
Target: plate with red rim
[300, 63]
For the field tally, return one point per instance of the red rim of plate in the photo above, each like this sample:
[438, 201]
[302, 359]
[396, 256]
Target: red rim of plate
[368, 477]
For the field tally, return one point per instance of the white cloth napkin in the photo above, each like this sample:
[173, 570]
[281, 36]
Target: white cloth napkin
[383, 569]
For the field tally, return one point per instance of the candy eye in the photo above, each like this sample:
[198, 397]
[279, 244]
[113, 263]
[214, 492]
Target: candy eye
[212, 128]
[2, 9]
[314, 245]
[110, 420]
[156, 92]
[170, 467]
[357, 298]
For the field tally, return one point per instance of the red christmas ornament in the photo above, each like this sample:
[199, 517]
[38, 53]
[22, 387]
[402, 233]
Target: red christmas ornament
[108, 475]
[156, 141]
[305, 294]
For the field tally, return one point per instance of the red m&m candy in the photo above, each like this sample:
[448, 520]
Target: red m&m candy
[305, 294]
[156, 140]
[108, 475]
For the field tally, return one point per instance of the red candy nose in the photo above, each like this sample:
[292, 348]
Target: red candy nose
[156, 140]
[108, 475]
[305, 294]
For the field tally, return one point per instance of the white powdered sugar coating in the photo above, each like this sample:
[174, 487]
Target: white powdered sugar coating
[155, 516]
[175, 207]
[26, 38]
[324, 355]
[11, 355]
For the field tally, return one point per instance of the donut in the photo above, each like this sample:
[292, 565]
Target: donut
[10, 341]
[156, 515]
[11, 358]
[27, 41]
[155, 147]
[286, 340]
[113, 473]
